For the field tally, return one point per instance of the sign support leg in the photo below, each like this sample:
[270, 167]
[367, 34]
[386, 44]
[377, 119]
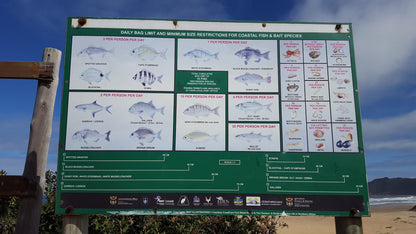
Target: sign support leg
[75, 224]
[348, 225]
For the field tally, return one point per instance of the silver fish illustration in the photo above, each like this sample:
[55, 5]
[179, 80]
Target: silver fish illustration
[203, 55]
[198, 136]
[253, 137]
[146, 77]
[88, 136]
[252, 106]
[93, 108]
[143, 109]
[92, 52]
[145, 135]
[93, 75]
[249, 53]
[200, 110]
[253, 79]
[145, 52]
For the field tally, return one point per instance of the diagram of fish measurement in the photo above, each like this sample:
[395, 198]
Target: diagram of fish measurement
[200, 122]
[119, 121]
[251, 64]
[121, 63]
[316, 91]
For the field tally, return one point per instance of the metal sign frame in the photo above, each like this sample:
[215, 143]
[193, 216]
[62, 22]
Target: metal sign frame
[209, 117]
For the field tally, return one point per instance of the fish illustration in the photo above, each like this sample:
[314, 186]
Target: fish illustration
[145, 52]
[93, 52]
[203, 55]
[249, 53]
[198, 136]
[143, 109]
[200, 110]
[146, 77]
[253, 137]
[93, 108]
[145, 135]
[88, 136]
[252, 79]
[253, 106]
[93, 75]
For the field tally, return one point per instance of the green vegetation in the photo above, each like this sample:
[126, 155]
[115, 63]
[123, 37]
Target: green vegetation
[52, 223]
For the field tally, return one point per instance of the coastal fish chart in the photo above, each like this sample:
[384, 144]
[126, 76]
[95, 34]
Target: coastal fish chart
[200, 117]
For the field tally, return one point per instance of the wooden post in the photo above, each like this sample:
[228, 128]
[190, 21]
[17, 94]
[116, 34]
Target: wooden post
[28, 218]
[75, 224]
[348, 225]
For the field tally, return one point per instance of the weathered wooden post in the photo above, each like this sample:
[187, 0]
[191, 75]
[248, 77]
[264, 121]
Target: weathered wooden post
[348, 225]
[28, 218]
[75, 224]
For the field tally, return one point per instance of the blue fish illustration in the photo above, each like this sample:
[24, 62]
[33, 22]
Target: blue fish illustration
[88, 136]
[92, 52]
[200, 110]
[93, 75]
[249, 53]
[253, 137]
[146, 77]
[252, 79]
[145, 135]
[253, 106]
[93, 108]
[143, 109]
[201, 55]
[198, 136]
[145, 52]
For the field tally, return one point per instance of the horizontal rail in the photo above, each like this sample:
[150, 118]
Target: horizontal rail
[26, 70]
[16, 186]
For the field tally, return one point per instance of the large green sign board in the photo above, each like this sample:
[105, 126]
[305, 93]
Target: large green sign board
[190, 117]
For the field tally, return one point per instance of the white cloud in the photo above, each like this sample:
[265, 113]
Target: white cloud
[404, 144]
[392, 166]
[182, 9]
[50, 14]
[393, 127]
[383, 38]
[395, 161]
[395, 133]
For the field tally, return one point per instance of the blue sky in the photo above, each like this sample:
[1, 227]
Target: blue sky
[384, 39]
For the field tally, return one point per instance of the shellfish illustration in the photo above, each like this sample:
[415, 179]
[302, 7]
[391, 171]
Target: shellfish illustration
[318, 133]
[290, 53]
[341, 95]
[345, 142]
[293, 87]
[314, 54]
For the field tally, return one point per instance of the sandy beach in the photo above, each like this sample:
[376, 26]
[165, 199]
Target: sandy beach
[396, 219]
